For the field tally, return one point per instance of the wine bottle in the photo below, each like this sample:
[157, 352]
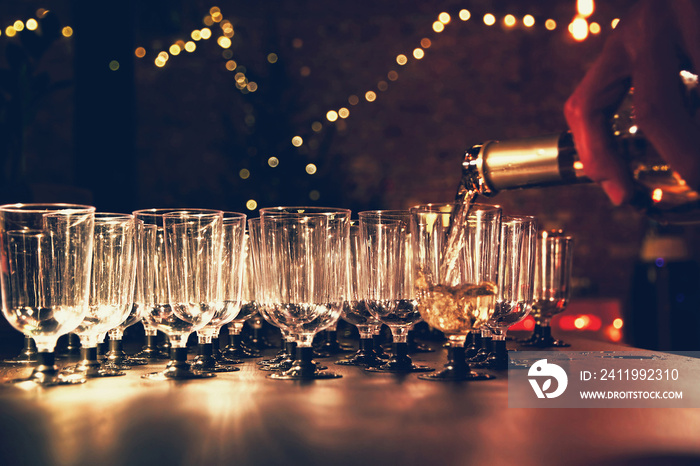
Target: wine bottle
[552, 160]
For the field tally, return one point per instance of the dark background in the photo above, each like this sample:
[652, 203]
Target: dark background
[144, 136]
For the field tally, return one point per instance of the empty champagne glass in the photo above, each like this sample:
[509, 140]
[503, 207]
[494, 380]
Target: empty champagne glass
[229, 296]
[456, 285]
[303, 281]
[515, 283]
[236, 350]
[116, 358]
[285, 357]
[385, 236]
[552, 287]
[111, 289]
[355, 309]
[180, 265]
[46, 258]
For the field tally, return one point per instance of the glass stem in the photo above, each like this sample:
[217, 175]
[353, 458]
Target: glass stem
[304, 361]
[367, 344]
[178, 354]
[456, 359]
[206, 349]
[46, 362]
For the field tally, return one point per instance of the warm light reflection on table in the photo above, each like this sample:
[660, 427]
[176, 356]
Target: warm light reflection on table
[244, 418]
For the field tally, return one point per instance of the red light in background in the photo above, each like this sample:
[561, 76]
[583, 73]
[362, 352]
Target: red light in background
[613, 333]
[527, 323]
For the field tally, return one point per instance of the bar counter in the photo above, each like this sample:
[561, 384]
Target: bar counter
[242, 418]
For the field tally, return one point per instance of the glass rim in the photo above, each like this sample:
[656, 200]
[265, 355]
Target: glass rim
[305, 210]
[48, 207]
[382, 216]
[113, 215]
[519, 218]
[433, 207]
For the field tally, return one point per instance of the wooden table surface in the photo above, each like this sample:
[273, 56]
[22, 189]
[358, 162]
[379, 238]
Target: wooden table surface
[243, 418]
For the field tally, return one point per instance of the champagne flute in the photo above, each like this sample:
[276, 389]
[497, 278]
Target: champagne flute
[285, 357]
[184, 244]
[355, 309]
[116, 357]
[515, 283]
[387, 261]
[229, 295]
[111, 289]
[236, 350]
[456, 284]
[46, 255]
[301, 248]
[552, 287]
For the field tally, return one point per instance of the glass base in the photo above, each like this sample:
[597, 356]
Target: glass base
[22, 359]
[28, 355]
[150, 350]
[400, 362]
[304, 368]
[177, 375]
[178, 368]
[298, 374]
[451, 375]
[362, 359]
[50, 380]
[46, 374]
[211, 365]
[366, 356]
[239, 353]
[399, 367]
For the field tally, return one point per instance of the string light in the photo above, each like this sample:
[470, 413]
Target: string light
[579, 28]
[489, 19]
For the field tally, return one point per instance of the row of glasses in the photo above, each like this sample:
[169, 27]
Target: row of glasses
[45, 263]
[302, 267]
